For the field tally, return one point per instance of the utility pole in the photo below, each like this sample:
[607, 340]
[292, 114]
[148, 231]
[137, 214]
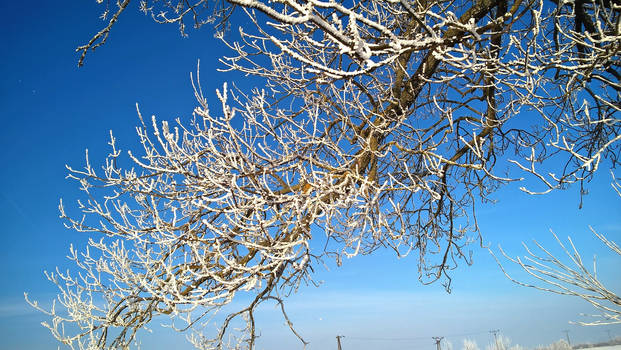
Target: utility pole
[495, 333]
[437, 340]
[609, 336]
[567, 334]
[338, 341]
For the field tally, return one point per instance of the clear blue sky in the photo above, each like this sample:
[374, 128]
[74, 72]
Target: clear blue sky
[51, 111]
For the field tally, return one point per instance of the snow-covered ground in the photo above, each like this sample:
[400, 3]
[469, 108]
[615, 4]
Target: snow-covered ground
[611, 347]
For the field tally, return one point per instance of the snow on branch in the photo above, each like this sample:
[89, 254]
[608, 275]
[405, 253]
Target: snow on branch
[570, 275]
[380, 125]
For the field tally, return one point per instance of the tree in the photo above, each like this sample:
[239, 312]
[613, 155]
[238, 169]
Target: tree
[470, 344]
[559, 345]
[502, 343]
[381, 124]
[552, 274]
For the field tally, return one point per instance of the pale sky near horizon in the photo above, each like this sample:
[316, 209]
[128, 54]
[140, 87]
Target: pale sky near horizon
[51, 111]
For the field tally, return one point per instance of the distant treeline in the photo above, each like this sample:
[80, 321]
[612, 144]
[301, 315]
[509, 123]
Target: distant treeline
[615, 341]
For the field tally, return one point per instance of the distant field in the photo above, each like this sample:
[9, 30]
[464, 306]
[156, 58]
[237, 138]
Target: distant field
[611, 347]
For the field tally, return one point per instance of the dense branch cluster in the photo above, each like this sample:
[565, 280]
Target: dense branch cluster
[382, 123]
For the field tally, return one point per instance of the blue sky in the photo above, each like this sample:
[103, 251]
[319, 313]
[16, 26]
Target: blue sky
[52, 111]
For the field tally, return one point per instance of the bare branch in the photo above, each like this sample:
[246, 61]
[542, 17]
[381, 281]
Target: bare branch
[381, 125]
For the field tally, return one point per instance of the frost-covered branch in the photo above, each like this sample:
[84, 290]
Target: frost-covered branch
[570, 276]
[380, 125]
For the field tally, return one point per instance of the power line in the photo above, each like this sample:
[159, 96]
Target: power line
[567, 334]
[414, 338]
[437, 340]
[388, 339]
[338, 341]
[495, 333]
